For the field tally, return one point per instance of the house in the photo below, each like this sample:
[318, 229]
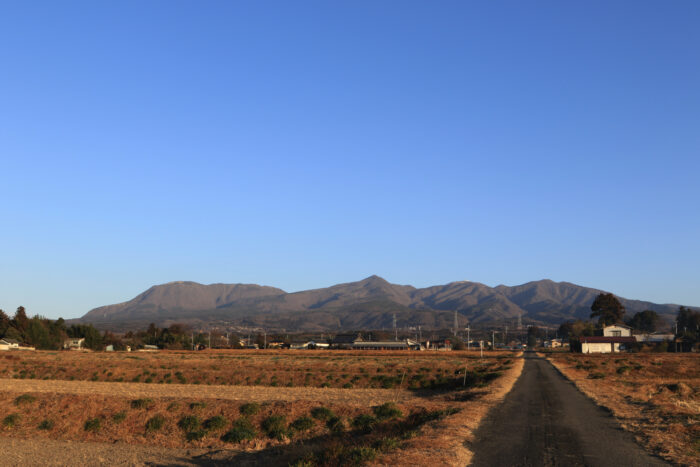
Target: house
[552, 344]
[76, 343]
[407, 344]
[606, 344]
[617, 330]
[654, 338]
[438, 344]
[9, 344]
[346, 341]
[308, 345]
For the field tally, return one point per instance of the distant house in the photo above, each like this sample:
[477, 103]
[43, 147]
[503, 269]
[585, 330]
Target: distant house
[552, 343]
[617, 330]
[606, 344]
[407, 344]
[77, 343]
[346, 341]
[438, 344]
[310, 345]
[149, 348]
[9, 344]
[654, 338]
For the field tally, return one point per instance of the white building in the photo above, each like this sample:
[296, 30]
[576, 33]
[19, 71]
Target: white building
[617, 330]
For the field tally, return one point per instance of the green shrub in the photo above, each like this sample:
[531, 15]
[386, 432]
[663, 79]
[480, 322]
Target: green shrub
[155, 423]
[251, 408]
[144, 403]
[357, 456]
[241, 430]
[322, 413]
[197, 405]
[216, 422]
[11, 420]
[196, 435]
[335, 425]
[119, 417]
[24, 399]
[93, 425]
[173, 407]
[386, 444]
[46, 425]
[364, 422]
[275, 427]
[189, 423]
[387, 411]
[623, 369]
[303, 424]
[596, 375]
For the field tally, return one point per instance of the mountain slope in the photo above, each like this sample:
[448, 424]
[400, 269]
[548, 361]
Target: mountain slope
[370, 304]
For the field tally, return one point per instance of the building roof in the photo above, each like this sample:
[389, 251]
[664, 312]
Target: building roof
[10, 341]
[608, 339]
[617, 325]
[347, 338]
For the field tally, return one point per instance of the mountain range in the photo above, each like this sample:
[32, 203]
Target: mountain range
[370, 303]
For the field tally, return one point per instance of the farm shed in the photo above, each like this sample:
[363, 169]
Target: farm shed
[606, 344]
[407, 344]
[9, 344]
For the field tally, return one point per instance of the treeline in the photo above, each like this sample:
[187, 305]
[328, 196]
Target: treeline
[45, 334]
[608, 309]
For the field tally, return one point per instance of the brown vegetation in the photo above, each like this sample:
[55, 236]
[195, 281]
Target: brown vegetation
[656, 396]
[398, 402]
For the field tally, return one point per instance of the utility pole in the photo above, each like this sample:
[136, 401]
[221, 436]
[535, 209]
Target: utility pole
[468, 338]
[265, 334]
[456, 324]
[420, 335]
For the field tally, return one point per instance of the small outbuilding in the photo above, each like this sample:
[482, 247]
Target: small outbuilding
[76, 343]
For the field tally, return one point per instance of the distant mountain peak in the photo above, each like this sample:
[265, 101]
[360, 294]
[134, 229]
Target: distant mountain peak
[366, 304]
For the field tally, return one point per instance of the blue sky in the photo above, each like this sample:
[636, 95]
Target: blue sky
[302, 144]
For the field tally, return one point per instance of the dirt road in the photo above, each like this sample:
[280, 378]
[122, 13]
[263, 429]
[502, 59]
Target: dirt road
[546, 421]
[357, 397]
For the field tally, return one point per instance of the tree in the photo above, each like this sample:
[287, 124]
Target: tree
[4, 323]
[608, 309]
[20, 319]
[647, 320]
[688, 322]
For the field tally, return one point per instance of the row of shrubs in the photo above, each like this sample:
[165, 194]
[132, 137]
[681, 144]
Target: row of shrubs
[273, 426]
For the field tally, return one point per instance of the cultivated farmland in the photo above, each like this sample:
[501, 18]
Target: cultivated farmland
[655, 396]
[279, 407]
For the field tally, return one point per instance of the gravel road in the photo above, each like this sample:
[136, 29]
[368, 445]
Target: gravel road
[546, 421]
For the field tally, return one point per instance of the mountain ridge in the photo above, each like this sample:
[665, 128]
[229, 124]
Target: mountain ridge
[369, 303]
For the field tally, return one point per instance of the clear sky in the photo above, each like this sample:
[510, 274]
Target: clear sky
[301, 144]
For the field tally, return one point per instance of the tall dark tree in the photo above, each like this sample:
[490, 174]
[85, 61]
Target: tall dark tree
[608, 309]
[4, 323]
[647, 320]
[20, 319]
[688, 322]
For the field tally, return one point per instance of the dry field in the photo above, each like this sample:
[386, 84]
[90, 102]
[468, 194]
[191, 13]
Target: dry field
[656, 396]
[260, 407]
[335, 369]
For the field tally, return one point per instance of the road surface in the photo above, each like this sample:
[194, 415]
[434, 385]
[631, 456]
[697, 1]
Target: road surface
[546, 421]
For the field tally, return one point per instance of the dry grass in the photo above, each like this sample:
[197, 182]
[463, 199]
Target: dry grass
[335, 369]
[445, 442]
[655, 396]
[425, 385]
